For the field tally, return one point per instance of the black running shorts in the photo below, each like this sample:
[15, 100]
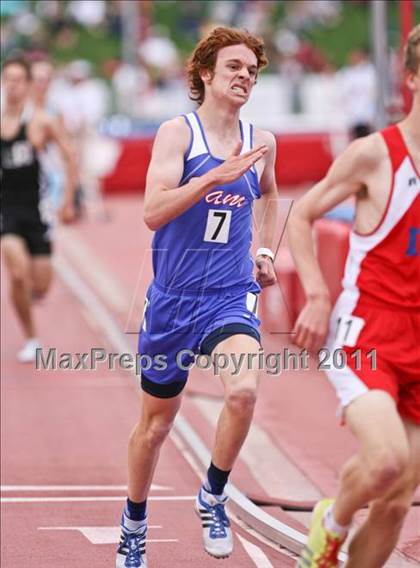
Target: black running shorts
[29, 226]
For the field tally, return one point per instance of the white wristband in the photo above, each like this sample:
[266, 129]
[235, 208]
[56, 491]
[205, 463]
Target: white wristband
[266, 252]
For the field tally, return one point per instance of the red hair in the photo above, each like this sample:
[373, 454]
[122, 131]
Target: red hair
[205, 55]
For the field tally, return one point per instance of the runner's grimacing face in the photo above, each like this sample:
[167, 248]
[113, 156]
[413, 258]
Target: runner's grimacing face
[15, 83]
[235, 74]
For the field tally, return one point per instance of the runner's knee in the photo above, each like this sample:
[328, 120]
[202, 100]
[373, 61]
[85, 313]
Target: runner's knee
[42, 275]
[387, 468]
[156, 431]
[241, 399]
[40, 289]
[19, 276]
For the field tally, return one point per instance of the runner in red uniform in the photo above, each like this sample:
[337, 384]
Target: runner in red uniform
[377, 318]
[374, 332]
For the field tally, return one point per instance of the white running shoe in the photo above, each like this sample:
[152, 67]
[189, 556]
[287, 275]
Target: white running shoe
[217, 534]
[131, 551]
[28, 353]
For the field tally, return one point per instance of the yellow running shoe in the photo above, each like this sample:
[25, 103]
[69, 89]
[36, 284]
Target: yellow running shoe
[322, 547]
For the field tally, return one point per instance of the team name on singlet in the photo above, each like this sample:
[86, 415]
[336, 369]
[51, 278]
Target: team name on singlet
[413, 248]
[223, 198]
[18, 155]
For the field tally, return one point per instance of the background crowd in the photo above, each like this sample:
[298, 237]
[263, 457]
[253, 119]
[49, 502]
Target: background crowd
[320, 74]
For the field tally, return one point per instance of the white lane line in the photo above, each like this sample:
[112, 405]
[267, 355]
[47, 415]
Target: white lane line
[84, 258]
[188, 456]
[105, 529]
[264, 540]
[89, 528]
[102, 535]
[256, 554]
[90, 499]
[91, 301]
[29, 488]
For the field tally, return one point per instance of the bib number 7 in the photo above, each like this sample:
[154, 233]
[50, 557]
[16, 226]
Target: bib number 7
[218, 226]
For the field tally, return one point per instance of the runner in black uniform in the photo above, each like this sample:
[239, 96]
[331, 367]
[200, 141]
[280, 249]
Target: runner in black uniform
[24, 222]
[21, 192]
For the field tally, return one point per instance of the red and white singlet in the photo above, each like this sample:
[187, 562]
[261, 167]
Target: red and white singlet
[374, 339]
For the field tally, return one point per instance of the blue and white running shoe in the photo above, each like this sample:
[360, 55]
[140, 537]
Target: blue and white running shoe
[217, 534]
[131, 551]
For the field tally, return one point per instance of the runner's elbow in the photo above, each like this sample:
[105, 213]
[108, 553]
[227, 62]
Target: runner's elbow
[151, 220]
[153, 216]
[300, 215]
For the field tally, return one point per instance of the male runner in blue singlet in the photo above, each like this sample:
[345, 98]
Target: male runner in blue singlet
[206, 170]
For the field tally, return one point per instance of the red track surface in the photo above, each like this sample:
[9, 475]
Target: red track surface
[71, 428]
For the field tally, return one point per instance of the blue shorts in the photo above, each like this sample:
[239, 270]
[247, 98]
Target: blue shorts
[174, 322]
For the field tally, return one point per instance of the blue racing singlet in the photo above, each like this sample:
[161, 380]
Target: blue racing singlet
[207, 248]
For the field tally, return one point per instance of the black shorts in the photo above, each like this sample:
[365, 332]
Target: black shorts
[28, 225]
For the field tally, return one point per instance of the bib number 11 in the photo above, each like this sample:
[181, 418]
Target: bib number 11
[218, 226]
[348, 330]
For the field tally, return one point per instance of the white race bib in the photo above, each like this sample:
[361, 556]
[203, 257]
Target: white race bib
[218, 225]
[146, 304]
[348, 330]
[251, 302]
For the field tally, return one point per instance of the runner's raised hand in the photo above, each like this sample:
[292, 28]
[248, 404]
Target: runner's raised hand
[237, 164]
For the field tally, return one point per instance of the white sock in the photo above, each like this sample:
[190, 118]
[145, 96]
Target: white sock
[207, 489]
[332, 526]
[133, 526]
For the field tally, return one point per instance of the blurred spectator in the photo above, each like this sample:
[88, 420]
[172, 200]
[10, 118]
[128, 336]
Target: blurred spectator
[291, 71]
[191, 15]
[49, 9]
[159, 55]
[27, 23]
[224, 12]
[286, 42]
[131, 84]
[113, 19]
[358, 89]
[8, 39]
[312, 59]
[307, 13]
[82, 99]
[53, 13]
[89, 13]
[255, 16]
